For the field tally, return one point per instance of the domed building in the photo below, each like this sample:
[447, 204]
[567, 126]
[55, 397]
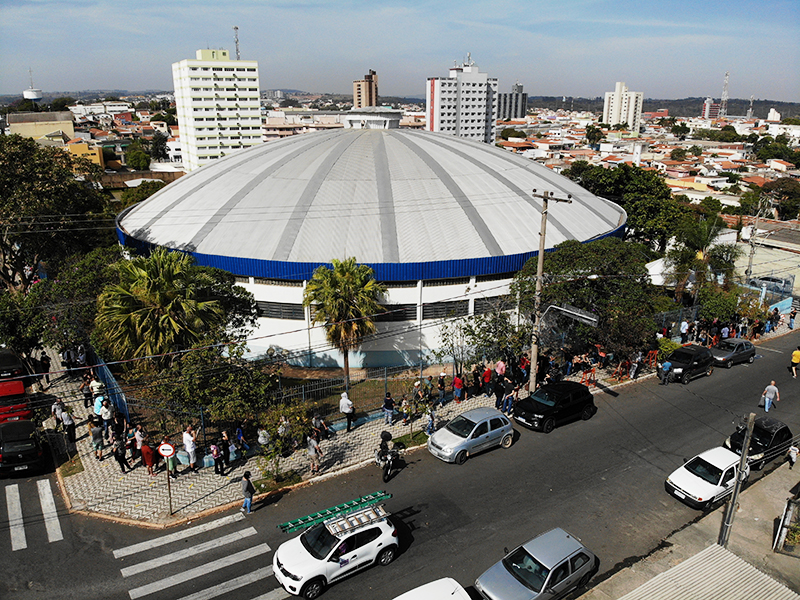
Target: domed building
[444, 222]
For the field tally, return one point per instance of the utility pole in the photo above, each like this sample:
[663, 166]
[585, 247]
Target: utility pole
[546, 197]
[730, 508]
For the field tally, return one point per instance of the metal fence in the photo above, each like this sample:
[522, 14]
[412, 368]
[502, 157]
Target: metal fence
[113, 391]
[671, 320]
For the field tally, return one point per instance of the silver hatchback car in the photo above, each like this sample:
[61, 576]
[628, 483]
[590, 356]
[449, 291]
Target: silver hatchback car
[549, 566]
[469, 433]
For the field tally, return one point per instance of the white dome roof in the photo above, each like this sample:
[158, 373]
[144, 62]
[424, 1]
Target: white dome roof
[411, 204]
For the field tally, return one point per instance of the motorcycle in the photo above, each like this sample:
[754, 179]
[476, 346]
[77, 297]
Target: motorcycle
[386, 458]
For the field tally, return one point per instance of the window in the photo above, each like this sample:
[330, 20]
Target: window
[578, 561]
[728, 477]
[281, 310]
[441, 310]
[496, 423]
[498, 303]
[365, 537]
[398, 312]
[559, 574]
[481, 429]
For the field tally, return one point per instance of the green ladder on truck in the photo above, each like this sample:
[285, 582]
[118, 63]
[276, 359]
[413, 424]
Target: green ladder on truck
[335, 511]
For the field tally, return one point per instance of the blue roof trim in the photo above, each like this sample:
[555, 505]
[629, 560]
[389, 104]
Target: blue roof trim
[298, 271]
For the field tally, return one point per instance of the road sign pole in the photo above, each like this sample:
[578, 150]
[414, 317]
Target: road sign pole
[169, 487]
[167, 450]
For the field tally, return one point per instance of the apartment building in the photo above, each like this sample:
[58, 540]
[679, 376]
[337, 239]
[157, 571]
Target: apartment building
[365, 91]
[623, 106]
[513, 105]
[463, 104]
[217, 101]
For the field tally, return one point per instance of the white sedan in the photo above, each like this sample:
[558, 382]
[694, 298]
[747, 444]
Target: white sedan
[705, 479]
[441, 589]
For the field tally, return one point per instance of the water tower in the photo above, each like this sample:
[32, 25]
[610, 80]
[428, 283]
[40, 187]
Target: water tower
[32, 93]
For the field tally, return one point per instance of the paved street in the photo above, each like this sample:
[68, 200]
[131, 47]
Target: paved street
[601, 479]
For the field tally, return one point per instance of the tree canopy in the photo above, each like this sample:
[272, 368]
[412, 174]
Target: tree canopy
[786, 193]
[141, 192]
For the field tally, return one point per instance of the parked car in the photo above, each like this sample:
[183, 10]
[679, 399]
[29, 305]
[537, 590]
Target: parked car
[770, 439]
[10, 364]
[14, 401]
[783, 285]
[469, 433]
[705, 479]
[441, 589]
[21, 448]
[323, 554]
[732, 351]
[688, 362]
[548, 566]
[555, 404]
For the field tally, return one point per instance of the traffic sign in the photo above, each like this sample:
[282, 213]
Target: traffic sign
[166, 450]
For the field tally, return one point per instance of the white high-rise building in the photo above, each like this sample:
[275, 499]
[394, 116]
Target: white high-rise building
[623, 106]
[217, 101]
[463, 104]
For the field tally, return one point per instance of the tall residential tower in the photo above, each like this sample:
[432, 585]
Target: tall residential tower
[623, 106]
[365, 91]
[513, 105]
[463, 104]
[217, 100]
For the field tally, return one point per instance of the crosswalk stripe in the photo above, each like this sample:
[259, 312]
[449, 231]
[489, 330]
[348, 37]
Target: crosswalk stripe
[187, 552]
[15, 523]
[178, 535]
[179, 578]
[230, 585]
[49, 512]
[276, 594]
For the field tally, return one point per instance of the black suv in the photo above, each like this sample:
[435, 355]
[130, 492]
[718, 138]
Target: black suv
[20, 447]
[770, 439]
[554, 404]
[689, 362]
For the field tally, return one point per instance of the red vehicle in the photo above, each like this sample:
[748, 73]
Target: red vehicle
[14, 402]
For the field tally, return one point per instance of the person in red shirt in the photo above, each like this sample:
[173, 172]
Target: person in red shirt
[487, 381]
[458, 387]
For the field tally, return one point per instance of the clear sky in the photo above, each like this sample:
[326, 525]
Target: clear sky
[665, 49]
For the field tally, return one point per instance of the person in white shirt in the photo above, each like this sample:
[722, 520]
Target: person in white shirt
[190, 445]
[346, 406]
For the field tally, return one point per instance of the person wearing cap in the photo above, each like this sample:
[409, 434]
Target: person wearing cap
[388, 409]
[346, 406]
[320, 427]
[442, 386]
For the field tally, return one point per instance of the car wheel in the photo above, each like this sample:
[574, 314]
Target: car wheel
[710, 370]
[549, 425]
[584, 580]
[587, 413]
[729, 364]
[506, 443]
[386, 556]
[685, 379]
[707, 505]
[461, 457]
[752, 359]
[313, 589]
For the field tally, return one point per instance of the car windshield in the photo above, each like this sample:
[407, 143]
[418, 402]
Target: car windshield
[19, 446]
[542, 396]
[461, 426]
[681, 356]
[727, 346]
[758, 443]
[526, 569]
[704, 470]
[319, 541]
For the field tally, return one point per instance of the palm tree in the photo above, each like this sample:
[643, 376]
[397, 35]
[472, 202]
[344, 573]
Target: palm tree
[345, 299]
[157, 306]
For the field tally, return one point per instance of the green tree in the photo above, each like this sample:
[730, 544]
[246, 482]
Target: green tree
[510, 132]
[141, 192]
[678, 154]
[786, 192]
[718, 303]
[620, 127]
[48, 208]
[136, 158]
[158, 306]
[165, 117]
[61, 104]
[345, 300]
[681, 129]
[695, 150]
[290, 102]
[594, 135]
[607, 277]
[158, 146]
[711, 206]
[22, 323]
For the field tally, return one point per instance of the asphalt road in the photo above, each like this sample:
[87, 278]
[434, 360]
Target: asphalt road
[602, 480]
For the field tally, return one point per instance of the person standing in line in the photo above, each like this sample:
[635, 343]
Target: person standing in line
[247, 491]
[487, 381]
[69, 425]
[500, 369]
[44, 363]
[666, 367]
[792, 317]
[441, 386]
[225, 448]
[314, 453]
[87, 392]
[388, 409]
[508, 396]
[148, 456]
[795, 362]
[684, 331]
[791, 455]
[346, 407]
[107, 414]
[97, 438]
[190, 445]
[216, 454]
[57, 410]
[770, 395]
[458, 388]
[138, 441]
[97, 387]
[119, 453]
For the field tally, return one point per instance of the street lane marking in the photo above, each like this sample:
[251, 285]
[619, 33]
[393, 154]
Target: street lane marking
[49, 511]
[771, 350]
[186, 552]
[276, 594]
[178, 535]
[179, 578]
[15, 523]
[230, 585]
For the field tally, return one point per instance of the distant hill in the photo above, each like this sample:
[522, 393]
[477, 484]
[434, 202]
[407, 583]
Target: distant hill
[684, 107]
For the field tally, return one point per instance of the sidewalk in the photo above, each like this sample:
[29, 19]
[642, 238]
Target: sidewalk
[760, 505]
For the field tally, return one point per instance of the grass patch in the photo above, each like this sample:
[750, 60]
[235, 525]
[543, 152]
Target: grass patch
[413, 439]
[71, 467]
[268, 484]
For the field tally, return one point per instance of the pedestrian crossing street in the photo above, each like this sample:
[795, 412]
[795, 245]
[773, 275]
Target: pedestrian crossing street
[188, 564]
[20, 507]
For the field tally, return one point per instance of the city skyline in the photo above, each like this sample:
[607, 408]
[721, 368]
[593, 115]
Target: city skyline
[673, 50]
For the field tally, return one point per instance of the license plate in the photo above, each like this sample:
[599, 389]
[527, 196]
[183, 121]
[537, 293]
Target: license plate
[679, 494]
[520, 419]
[21, 468]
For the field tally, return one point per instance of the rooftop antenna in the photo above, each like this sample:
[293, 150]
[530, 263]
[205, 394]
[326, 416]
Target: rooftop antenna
[723, 105]
[236, 41]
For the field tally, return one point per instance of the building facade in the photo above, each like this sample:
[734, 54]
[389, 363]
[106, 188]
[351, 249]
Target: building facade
[365, 91]
[463, 104]
[623, 106]
[710, 109]
[513, 105]
[217, 101]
